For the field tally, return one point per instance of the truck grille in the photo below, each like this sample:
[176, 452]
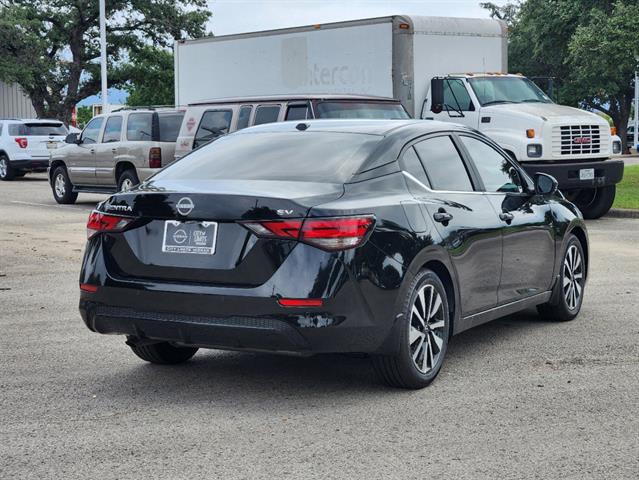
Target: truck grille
[576, 140]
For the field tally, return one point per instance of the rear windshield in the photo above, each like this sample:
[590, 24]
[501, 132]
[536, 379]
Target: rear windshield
[37, 129]
[169, 124]
[297, 156]
[388, 111]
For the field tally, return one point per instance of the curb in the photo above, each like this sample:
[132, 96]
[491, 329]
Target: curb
[622, 213]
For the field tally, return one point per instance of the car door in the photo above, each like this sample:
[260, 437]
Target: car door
[80, 159]
[106, 151]
[527, 220]
[463, 217]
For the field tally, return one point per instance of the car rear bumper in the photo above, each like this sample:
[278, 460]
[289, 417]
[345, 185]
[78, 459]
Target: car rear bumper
[356, 315]
[606, 172]
[31, 164]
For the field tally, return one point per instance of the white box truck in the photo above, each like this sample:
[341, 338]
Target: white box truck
[448, 69]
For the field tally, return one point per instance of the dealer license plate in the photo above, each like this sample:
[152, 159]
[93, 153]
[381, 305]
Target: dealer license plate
[189, 237]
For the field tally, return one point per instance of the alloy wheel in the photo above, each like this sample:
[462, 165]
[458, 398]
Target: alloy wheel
[427, 328]
[573, 278]
[60, 185]
[3, 167]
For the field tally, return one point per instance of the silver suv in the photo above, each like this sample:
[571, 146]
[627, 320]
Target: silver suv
[25, 145]
[114, 152]
[205, 121]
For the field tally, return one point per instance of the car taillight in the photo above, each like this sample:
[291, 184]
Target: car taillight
[22, 142]
[338, 233]
[155, 157]
[104, 222]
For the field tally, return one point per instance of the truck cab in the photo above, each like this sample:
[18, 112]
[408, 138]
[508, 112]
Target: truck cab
[568, 143]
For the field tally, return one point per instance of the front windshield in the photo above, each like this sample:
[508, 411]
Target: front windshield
[493, 90]
[350, 109]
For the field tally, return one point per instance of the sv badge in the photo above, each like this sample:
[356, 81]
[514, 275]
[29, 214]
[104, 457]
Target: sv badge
[281, 212]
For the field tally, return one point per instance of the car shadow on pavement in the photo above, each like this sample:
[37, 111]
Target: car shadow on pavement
[241, 377]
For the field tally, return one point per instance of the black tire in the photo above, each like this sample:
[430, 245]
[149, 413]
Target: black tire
[595, 203]
[62, 187]
[558, 308]
[163, 353]
[400, 370]
[7, 172]
[128, 176]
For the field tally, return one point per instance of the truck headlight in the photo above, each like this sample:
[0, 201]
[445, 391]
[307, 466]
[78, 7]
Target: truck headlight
[533, 150]
[616, 147]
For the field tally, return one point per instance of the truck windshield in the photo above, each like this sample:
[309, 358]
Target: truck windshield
[378, 110]
[493, 90]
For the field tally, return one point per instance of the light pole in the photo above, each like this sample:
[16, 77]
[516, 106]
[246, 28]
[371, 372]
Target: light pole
[103, 57]
[636, 129]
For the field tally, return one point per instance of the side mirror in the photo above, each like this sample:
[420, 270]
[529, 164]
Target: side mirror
[71, 138]
[545, 184]
[436, 94]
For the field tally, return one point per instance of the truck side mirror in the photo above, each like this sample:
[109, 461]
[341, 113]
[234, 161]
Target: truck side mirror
[436, 95]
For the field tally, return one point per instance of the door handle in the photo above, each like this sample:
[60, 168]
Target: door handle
[442, 216]
[92, 151]
[506, 217]
[114, 150]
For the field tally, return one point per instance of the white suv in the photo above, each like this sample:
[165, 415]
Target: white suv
[25, 145]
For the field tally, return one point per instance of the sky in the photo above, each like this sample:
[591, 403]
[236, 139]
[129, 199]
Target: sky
[240, 16]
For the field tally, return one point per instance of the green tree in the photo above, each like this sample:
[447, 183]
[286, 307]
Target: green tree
[586, 45]
[84, 114]
[51, 47]
[150, 77]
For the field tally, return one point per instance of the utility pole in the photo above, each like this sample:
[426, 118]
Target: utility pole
[103, 57]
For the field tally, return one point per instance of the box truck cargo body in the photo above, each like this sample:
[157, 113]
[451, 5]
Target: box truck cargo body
[388, 57]
[447, 69]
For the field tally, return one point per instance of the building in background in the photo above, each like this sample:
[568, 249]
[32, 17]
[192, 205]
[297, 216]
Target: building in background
[14, 103]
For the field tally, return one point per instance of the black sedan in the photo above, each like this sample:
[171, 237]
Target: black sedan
[368, 236]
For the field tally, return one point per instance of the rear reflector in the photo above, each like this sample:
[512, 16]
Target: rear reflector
[155, 157]
[22, 142]
[300, 302]
[103, 222]
[337, 233]
[86, 287]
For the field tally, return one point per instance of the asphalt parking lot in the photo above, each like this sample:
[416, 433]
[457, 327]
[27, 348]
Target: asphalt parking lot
[517, 398]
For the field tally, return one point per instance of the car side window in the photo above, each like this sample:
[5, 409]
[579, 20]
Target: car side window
[244, 116]
[443, 164]
[266, 114]
[297, 112]
[213, 124]
[92, 130]
[112, 129]
[139, 127]
[411, 164]
[495, 171]
[456, 96]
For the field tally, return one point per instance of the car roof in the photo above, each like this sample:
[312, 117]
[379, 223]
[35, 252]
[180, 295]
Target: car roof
[364, 126]
[32, 120]
[291, 98]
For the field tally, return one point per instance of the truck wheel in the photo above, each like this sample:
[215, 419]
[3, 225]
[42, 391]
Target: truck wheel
[62, 187]
[128, 179]
[163, 353]
[595, 202]
[568, 293]
[6, 170]
[423, 336]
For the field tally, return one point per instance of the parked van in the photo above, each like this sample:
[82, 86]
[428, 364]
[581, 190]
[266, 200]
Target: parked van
[114, 152]
[207, 120]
